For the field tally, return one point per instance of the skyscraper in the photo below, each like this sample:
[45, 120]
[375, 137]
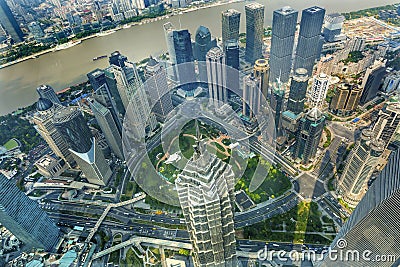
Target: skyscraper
[361, 163]
[206, 195]
[44, 125]
[75, 132]
[319, 90]
[9, 23]
[374, 224]
[46, 91]
[157, 89]
[25, 219]
[346, 99]
[261, 70]
[333, 26]
[308, 135]
[298, 91]
[109, 127]
[216, 74]
[230, 25]
[184, 60]
[283, 33]
[232, 63]
[251, 96]
[254, 31]
[277, 101]
[372, 81]
[203, 43]
[387, 126]
[310, 39]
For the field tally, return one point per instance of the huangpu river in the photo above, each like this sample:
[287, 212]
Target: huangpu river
[67, 67]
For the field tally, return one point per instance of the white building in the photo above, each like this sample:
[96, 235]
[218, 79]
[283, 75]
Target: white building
[319, 90]
[216, 77]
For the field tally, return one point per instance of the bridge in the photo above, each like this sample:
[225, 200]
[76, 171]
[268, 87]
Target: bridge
[108, 208]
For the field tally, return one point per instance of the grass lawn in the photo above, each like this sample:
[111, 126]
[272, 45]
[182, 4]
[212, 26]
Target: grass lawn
[131, 259]
[11, 144]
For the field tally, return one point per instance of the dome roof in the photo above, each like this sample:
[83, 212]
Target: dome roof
[314, 114]
[43, 104]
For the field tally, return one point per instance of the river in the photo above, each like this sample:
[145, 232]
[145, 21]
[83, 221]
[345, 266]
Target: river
[67, 67]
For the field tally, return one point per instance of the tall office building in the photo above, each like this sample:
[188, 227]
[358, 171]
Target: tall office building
[232, 62]
[310, 39]
[374, 224]
[251, 96]
[46, 91]
[230, 25]
[184, 60]
[282, 42]
[157, 89]
[372, 81]
[216, 77]
[298, 91]
[108, 127]
[387, 126]
[261, 69]
[361, 163]
[276, 102]
[333, 26]
[25, 219]
[169, 29]
[113, 88]
[8, 21]
[43, 120]
[203, 43]
[206, 195]
[93, 164]
[346, 99]
[75, 132]
[254, 31]
[319, 90]
[309, 135]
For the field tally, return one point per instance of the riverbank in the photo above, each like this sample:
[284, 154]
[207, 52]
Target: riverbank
[173, 12]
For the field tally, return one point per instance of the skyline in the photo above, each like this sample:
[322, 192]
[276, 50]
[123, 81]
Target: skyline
[217, 153]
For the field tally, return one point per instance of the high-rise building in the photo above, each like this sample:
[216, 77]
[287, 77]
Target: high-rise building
[310, 39]
[93, 164]
[46, 91]
[75, 132]
[254, 31]
[184, 60]
[232, 62]
[25, 219]
[319, 90]
[276, 102]
[157, 89]
[309, 135]
[206, 195]
[109, 127]
[216, 76]
[8, 21]
[169, 29]
[261, 70]
[73, 128]
[372, 81]
[282, 42]
[298, 91]
[346, 99]
[44, 125]
[387, 126]
[361, 163]
[230, 25]
[251, 96]
[374, 224]
[113, 89]
[333, 26]
[203, 43]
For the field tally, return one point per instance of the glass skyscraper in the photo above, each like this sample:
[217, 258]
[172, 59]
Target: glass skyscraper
[310, 38]
[254, 31]
[25, 219]
[203, 43]
[283, 33]
[298, 90]
[9, 23]
[46, 91]
[230, 25]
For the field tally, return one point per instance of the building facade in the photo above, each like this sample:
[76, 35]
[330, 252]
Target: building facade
[254, 31]
[216, 76]
[319, 90]
[298, 91]
[8, 21]
[251, 96]
[261, 70]
[346, 99]
[230, 25]
[46, 91]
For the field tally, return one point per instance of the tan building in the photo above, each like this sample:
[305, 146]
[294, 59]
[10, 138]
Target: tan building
[261, 70]
[346, 99]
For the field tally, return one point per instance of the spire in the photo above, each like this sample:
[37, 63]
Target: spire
[196, 146]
